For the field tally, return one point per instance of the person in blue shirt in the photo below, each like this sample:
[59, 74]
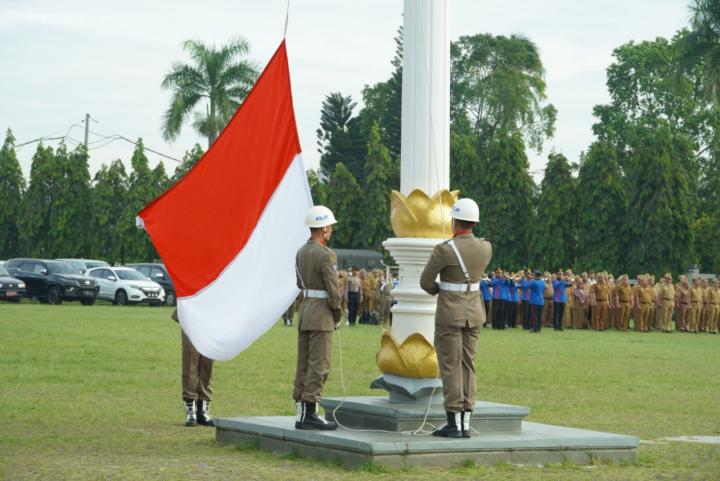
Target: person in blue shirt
[505, 299]
[525, 286]
[537, 286]
[486, 296]
[559, 299]
[512, 301]
[497, 303]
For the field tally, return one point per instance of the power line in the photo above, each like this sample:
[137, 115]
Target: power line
[107, 139]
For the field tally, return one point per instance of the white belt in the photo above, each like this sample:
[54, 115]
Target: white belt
[312, 293]
[452, 287]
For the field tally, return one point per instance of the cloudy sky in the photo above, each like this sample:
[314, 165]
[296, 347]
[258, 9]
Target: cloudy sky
[60, 59]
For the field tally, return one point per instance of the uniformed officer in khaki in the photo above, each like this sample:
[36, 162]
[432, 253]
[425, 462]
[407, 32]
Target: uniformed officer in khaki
[196, 382]
[713, 297]
[696, 305]
[643, 300]
[460, 263]
[623, 299]
[319, 314]
[666, 303]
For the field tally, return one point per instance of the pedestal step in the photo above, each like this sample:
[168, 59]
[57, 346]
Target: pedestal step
[376, 412]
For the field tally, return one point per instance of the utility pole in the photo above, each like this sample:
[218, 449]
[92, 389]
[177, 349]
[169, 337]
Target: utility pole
[87, 130]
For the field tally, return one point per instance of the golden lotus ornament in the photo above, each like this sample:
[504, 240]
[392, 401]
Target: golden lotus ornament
[419, 215]
[415, 357]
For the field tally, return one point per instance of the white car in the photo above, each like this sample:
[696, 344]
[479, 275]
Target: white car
[125, 285]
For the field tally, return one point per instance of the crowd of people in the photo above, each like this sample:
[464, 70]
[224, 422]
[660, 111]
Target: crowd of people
[365, 297]
[600, 301]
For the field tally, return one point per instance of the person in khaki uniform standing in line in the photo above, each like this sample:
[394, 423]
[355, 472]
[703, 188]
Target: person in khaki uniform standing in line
[316, 269]
[461, 263]
[600, 302]
[196, 382]
[682, 304]
[713, 297]
[696, 304]
[624, 302]
[704, 314]
[666, 303]
[644, 300]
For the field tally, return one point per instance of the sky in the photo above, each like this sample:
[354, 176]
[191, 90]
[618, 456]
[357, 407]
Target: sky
[62, 59]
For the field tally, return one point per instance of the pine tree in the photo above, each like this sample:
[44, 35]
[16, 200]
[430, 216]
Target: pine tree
[601, 210]
[658, 217]
[70, 219]
[554, 238]
[506, 200]
[38, 203]
[160, 180]
[376, 192]
[344, 199]
[12, 187]
[110, 203]
[140, 191]
[317, 188]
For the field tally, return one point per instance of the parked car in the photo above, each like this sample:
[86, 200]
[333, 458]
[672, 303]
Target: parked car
[125, 285]
[53, 281]
[11, 289]
[84, 264]
[157, 272]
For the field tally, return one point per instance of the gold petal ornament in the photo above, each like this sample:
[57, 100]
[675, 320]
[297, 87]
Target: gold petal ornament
[415, 357]
[419, 215]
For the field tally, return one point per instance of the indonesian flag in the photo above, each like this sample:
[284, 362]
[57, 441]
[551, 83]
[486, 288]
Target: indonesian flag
[229, 230]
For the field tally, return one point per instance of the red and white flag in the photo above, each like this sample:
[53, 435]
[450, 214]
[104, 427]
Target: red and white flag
[229, 230]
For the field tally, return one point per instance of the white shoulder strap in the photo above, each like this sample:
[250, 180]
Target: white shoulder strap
[460, 259]
[297, 270]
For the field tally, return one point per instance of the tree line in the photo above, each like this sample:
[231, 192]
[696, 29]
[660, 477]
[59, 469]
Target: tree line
[643, 197]
[62, 212]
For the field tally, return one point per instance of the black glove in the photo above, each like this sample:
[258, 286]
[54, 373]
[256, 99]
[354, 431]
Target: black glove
[337, 315]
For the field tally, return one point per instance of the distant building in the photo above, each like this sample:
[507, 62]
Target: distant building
[360, 258]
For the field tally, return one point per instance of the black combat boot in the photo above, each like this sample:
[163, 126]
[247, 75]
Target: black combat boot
[453, 427]
[203, 413]
[466, 424]
[190, 412]
[310, 419]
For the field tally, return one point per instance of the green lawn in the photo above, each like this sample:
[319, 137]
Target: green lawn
[93, 393]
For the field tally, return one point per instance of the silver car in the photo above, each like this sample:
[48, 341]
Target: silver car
[125, 285]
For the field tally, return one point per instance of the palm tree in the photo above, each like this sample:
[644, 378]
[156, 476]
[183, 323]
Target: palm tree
[219, 75]
[702, 45]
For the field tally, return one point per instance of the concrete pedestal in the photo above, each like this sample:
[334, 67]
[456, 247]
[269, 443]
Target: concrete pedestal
[502, 437]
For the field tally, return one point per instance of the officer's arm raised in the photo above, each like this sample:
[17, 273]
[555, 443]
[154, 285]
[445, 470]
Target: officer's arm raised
[432, 269]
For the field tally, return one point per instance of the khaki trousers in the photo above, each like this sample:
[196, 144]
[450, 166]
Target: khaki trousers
[547, 315]
[682, 316]
[713, 317]
[665, 315]
[456, 348]
[313, 365]
[694, 323]
[623, 319]
[600, 315]
[644, 312]
[579, 318]
[196, 372]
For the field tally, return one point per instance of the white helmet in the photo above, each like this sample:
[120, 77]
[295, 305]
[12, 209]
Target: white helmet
[319, 216]
[467, 210]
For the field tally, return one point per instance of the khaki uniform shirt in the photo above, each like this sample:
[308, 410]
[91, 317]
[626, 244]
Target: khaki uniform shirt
[644, 294]
[317, 270]
[601, 292]
[714, 296]
[666, 293]
[623, 293]
[696, 295]
[457, 308]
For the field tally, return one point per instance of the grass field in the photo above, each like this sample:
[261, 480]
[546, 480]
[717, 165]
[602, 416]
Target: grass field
[93, 393]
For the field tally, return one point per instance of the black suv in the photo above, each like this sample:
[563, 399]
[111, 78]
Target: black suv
[157, 272]
[53, 281]
[11, 289]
